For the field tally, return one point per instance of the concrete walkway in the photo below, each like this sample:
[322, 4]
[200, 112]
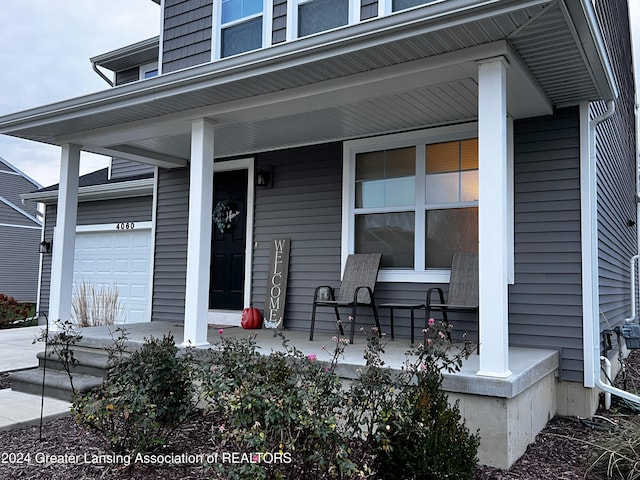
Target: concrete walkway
[18, 352]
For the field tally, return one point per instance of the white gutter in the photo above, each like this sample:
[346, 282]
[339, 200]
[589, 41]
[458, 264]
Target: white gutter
[595, 310]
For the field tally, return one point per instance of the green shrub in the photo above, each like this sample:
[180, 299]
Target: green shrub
[144, 397]
[408, 425]
[386, 424]
[285, 405]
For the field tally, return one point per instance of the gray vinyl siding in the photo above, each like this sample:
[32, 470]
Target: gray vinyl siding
[279, 30]
[304, 204]
[20, 262]
[12, 185]
[187, 34]
[616, 153]
[545, 303]
[134, 209]
[172, 215]
[125, 168]
[11, 216]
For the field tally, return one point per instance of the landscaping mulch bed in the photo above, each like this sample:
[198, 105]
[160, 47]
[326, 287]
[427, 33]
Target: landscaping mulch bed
[5, 382]
[62, 451]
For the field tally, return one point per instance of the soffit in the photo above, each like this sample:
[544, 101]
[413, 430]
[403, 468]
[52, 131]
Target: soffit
[542, 35]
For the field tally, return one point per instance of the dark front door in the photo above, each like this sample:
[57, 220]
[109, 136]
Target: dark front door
[228, 240]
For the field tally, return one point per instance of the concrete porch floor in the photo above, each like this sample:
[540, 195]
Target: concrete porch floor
[526, 364]
[508, 412]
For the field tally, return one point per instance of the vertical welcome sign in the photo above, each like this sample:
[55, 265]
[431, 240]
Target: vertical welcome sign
[277, 283]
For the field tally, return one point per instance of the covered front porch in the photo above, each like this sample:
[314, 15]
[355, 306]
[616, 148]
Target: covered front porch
[453, 73]
[509, 412]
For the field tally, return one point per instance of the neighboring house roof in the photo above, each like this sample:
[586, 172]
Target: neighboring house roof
[229, 90]
[98, 186]
[14, 182]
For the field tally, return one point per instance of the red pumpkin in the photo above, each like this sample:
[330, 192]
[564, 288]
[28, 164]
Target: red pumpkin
[251, 318]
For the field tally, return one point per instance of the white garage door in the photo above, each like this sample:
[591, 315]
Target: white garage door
[120, 257]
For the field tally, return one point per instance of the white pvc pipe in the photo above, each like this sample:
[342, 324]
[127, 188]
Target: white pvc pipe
[607, 372]
[633, 289]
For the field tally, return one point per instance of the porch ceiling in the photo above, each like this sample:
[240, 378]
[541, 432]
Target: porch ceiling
[394, 73]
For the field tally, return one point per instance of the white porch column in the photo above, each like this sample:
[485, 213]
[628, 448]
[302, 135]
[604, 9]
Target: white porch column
[64, 239]
[492, 218]
[199, 236]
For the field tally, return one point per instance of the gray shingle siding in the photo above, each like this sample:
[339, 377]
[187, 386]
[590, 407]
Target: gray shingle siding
[545, 303]
[279, 29]
[186, 39]
[134, 209]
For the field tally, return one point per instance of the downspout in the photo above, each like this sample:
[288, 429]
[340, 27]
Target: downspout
[596, 317]
[636, 258]
[632, 265]
[102, 75]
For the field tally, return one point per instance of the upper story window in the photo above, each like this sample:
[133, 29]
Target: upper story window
[414, 199]
[148, 71]
[307, 17]
[319, 15]
[241, 26]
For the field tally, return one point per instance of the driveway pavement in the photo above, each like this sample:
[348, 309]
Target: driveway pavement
[17, 350]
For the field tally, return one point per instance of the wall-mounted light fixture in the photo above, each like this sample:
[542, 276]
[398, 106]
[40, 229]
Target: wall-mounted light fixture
[44, 247]
[263, 177]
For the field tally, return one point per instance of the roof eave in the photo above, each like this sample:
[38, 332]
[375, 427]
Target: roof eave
[106, 191]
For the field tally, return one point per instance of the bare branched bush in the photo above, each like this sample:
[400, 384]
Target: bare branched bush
[94, 307]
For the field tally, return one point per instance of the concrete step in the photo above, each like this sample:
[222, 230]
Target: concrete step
[56, 383]
[92, 362]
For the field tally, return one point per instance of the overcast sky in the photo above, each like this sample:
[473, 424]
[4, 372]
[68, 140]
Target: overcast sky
[46, 46]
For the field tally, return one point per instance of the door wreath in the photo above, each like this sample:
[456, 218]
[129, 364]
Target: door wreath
[224, 215]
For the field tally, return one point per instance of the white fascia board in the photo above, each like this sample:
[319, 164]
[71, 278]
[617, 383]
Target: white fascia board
[104, 191]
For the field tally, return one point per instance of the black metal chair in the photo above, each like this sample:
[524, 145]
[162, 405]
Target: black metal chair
[463, 288]
[357, 289]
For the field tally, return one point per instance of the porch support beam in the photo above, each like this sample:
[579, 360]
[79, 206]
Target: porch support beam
[64, 239]
[199, 234]
[493, 218]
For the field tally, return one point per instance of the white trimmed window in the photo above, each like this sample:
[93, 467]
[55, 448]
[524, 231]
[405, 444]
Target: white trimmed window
[242, 26]
[149, 70]
[308, 17]
[414, 198]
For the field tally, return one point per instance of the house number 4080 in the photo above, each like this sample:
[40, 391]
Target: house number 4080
[125, 226]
